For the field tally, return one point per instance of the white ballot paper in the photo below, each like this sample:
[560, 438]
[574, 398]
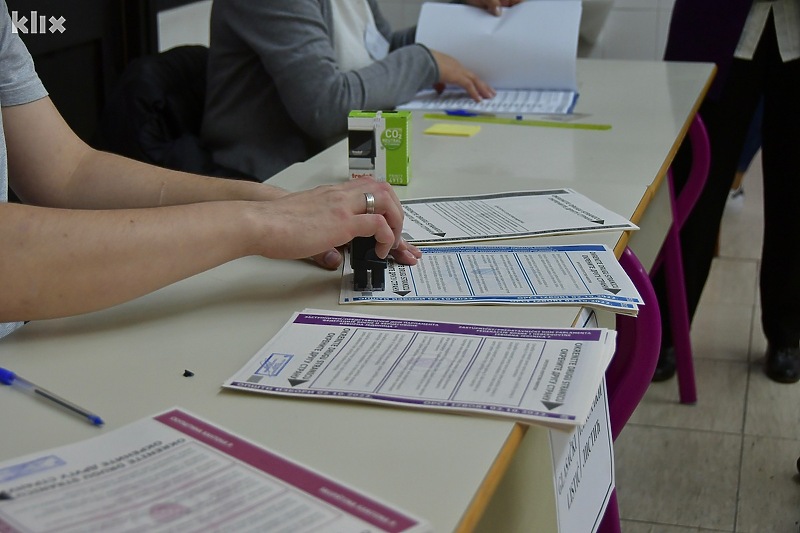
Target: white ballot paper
[528, 54]
[572, 274]
[176, 472]
[506, 215]
[505, 102]
[532, 375]
[583, 462]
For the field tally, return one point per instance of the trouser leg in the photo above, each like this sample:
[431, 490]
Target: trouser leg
[780, 259]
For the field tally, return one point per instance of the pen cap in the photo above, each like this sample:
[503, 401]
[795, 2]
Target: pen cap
[7, 377]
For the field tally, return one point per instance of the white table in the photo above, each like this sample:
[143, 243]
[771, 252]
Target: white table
[128, 362]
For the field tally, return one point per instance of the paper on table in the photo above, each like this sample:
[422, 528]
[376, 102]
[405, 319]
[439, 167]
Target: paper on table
[505, 102]
[506, 215]
[578, 274]
[456, 130]
[583, 463]
[533, 375]
[176, 472]
[528, 54]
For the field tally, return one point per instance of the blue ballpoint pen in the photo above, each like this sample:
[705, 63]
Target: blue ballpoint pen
[8, 377]
[466, 113]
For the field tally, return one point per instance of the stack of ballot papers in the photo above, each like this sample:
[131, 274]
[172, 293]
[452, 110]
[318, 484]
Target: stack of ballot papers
[579, 274]
[177, 472]
[528, 54]
[574, 274]
[546, 376]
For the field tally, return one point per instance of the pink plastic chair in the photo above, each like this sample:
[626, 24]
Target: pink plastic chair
[639, 338]
[633, 365]
[671, 259]
[638, 345]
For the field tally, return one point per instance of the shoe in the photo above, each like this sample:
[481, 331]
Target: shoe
[783, 364]
[665, 368]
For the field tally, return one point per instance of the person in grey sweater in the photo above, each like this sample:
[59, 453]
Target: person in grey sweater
[283, 76]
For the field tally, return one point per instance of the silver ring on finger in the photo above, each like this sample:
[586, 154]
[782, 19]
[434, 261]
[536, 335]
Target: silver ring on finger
[370, 200]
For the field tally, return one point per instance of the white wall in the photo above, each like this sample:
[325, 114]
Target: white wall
[184, 25]
[634, 29]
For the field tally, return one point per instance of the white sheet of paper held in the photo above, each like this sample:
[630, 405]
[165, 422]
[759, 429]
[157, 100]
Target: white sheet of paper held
[530, 50]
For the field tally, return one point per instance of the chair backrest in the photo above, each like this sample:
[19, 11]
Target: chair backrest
[631, 369]
[638, 345]
[639, 339]
[155, 112]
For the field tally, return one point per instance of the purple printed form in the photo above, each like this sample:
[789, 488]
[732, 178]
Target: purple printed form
[448, 327]
[175, 471]
[315, 485]
[532, 375]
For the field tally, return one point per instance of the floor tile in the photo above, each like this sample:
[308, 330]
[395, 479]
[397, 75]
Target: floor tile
[741, 235]
[721, 387]
[773, 409]
[678, 477]
[629, 526]
[727, 463]
[731, 281]
[758, 342]
[769, 494]
[742, 223]
[722, 331]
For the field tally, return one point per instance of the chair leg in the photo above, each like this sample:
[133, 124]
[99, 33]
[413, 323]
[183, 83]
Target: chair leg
[611, 520]
[679, 318]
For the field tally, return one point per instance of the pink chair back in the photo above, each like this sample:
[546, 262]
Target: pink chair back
[631, 369]
[638, 344]
[639, 339]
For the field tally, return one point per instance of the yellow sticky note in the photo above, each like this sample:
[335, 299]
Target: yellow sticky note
[460, 130]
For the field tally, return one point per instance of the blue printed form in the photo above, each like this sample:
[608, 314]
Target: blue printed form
[580, 275]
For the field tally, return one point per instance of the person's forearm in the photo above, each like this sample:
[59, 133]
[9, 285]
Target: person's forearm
[102, 180]
[74, 175]
[59, 263]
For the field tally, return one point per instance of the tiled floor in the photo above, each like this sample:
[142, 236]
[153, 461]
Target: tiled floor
[726, 464]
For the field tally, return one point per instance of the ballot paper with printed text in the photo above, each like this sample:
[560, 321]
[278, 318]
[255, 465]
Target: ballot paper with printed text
[506, 215]
[532, 375]
[177, 472]
[528, 54]
[572, 274]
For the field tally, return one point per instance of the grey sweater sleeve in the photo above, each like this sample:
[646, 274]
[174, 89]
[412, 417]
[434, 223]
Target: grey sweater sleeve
[293, 42]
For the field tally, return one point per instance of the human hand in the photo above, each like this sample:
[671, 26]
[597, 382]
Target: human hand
[451, 71]
[493, 6]
[406, 254]
[315, 222]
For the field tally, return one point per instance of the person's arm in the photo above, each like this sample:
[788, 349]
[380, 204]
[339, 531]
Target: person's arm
[73, 175]
[57, 261]
[451, 71]
[293, 43]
